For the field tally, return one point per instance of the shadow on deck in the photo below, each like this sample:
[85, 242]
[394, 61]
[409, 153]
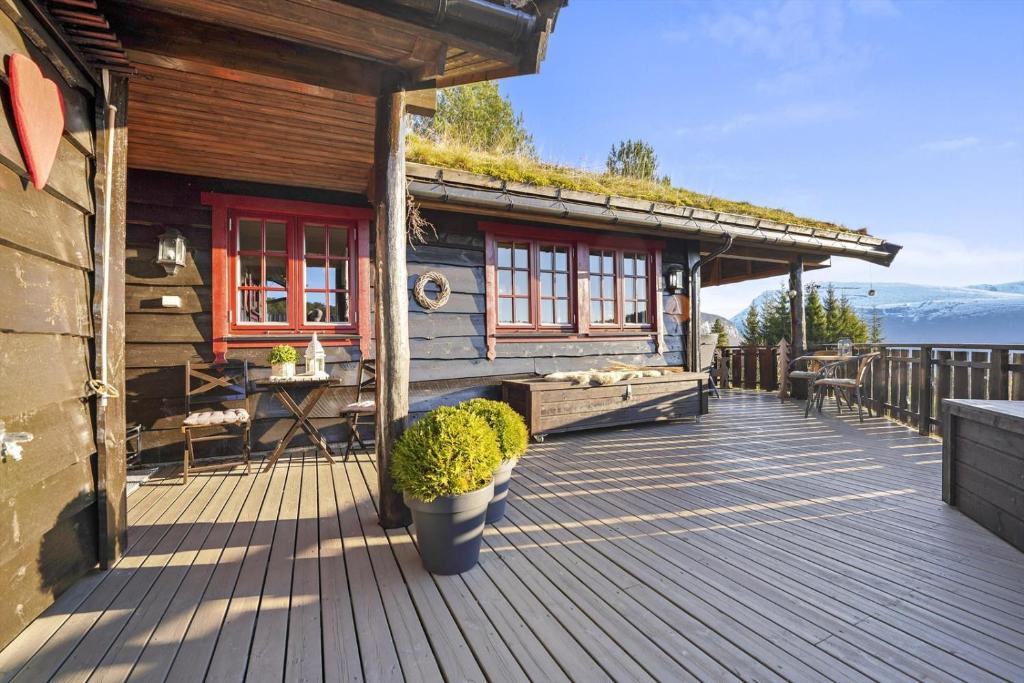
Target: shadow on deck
[756, 545]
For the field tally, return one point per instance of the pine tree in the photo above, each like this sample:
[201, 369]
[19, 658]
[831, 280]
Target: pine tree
[719, 329]
[479, 117]
[875, 333]
[752, 330]
[832, 316]
[814, 316]
[776, 323]
[849, 323]
[634, 159]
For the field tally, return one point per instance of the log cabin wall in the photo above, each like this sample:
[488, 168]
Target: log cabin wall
[448, 350]
[48, 510]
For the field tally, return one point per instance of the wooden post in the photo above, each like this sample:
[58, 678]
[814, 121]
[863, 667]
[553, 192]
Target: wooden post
[110, 418]
[925, 391]
[392, 299]
[798, 325]
[693, 355]
[999, 375]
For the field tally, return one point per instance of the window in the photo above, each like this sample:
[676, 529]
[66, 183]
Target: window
[284, 269]
[547, 281]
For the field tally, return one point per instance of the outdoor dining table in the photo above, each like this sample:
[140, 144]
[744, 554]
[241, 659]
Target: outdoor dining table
[281, 388]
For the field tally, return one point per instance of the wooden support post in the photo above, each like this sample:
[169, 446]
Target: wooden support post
[798, 325]
[999, 375]
[925, 392]
[110, 418]
[392, 299]
[693, 362]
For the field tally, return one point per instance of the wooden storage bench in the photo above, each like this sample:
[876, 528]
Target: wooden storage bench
[552, 407]
[983, 464]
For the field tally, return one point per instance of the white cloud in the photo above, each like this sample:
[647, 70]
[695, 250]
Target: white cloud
[951, 145]
[796, 114]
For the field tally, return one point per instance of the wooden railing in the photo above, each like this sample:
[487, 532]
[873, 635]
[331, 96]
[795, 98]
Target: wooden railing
[908, 381]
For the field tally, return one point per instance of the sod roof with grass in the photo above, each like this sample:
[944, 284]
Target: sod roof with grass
[523, 169]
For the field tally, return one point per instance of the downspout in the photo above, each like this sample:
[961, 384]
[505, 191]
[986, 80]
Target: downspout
[108, 184]
[695, 301]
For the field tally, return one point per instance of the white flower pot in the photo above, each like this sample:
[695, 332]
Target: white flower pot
[282, 369]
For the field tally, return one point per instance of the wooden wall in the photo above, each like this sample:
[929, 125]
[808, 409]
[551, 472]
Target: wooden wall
[48, 516]
[448, 352]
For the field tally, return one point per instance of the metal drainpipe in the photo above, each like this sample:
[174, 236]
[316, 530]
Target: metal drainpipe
[510, 22]
[695, 301]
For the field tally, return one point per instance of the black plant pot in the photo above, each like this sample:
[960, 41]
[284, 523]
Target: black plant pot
[449, 529]
[502, 475]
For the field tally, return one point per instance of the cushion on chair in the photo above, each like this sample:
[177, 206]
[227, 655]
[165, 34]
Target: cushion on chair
[217, 417]
[367, 406]
[802, 374]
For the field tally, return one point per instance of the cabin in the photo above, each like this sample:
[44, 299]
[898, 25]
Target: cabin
[229, 176]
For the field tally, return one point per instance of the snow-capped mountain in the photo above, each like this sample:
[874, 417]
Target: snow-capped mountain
[992, 314]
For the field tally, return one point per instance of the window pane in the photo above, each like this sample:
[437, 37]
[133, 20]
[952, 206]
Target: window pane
[641, 266]
[504, 281]
[276, 241]
[249, 271]
[277, 271]
[627, 288]
[595, 311]
[629, 311]
[339, 242]
[562, 312]
[547, 311]
[627, 266]
[546, 258]
[641, 312]
[315, 239]
[315, 274]
[316, 307]
[522, 256]
[337, 275]
[562, 259]
[561, 285]
[608, 262]
[522, 282]
[250, 303]
[522, 310]
[641, 288]
[249, 235]
[344, 306]
[504, 310]
[546, 284]
[609, 312]
[277, 307]
[608, 287]
[595, 286]
[504, 255]
[595, 263]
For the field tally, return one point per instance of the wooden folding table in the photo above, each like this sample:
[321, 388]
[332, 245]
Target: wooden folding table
[317, 387]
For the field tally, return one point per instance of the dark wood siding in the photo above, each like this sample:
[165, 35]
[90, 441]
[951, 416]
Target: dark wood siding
[448, 351]
[48, 517]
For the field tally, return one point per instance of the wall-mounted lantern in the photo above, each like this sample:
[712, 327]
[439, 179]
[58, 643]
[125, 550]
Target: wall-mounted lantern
[170, 252]
[675, 278]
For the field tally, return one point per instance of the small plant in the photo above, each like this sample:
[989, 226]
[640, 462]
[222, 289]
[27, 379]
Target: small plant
[282, 353]
[508, 425]
[449, 452]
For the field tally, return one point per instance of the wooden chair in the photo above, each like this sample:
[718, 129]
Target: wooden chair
[810, 375]
[843, 385]
[216, 389]
[364, 407]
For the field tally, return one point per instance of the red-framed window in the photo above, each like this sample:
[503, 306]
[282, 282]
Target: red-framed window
[284, 269]
[543, 281]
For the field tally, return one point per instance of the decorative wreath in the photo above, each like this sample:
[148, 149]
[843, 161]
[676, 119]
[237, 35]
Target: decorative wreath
[419, 292]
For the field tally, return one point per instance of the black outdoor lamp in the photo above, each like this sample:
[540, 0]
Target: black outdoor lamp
[675, 278]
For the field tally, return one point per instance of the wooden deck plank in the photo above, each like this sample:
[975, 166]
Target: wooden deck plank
[755, 545]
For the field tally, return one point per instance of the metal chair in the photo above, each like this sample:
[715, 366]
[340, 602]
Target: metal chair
[216, 388]
[811, 374]
[843, 385]
[362, 408]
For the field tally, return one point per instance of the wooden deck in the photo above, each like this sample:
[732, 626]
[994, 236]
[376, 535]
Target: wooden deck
[755, 545]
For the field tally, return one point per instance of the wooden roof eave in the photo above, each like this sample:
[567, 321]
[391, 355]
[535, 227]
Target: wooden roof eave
[463, 191]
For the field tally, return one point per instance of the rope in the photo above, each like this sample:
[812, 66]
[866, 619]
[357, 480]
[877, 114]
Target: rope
[101, 388]
[419, 292]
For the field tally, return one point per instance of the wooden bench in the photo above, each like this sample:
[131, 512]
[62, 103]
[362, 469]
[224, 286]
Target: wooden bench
[983, 464]
[553, 407]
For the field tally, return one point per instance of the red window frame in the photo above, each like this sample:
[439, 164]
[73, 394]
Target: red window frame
[579, 246]
[228, 331]
[533, 295]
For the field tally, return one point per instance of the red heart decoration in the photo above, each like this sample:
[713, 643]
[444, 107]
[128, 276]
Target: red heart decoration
[38, 116]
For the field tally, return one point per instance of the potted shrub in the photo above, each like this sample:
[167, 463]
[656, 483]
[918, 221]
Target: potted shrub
[512, 435]
[443, 465]
[282, 360]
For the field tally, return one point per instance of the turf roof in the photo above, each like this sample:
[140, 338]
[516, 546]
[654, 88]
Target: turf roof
[531, 171]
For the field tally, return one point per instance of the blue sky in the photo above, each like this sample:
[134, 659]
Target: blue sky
[903, 117]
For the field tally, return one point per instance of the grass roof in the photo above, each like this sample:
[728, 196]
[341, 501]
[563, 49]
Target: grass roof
[524, 169]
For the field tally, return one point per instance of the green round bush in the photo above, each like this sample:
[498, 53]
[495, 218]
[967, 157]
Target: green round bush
[449, 452]
[508, 425]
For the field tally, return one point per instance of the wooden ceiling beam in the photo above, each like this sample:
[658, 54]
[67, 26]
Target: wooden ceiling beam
[239, 54]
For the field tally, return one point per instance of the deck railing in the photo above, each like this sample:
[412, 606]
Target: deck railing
[908, 381]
